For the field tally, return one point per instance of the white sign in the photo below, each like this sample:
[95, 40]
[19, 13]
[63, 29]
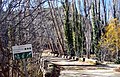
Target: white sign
[22, 51]
[22, 48]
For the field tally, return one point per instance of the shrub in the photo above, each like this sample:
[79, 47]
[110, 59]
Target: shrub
[117, 61]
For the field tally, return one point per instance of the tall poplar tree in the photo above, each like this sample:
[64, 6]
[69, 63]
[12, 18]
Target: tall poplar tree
[68, 30]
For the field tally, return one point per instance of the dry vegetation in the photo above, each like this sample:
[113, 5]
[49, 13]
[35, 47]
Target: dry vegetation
[73, 27]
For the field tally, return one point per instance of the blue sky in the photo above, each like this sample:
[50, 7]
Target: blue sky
[109, 8]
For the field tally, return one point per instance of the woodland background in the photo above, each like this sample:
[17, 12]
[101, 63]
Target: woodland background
[83, 28]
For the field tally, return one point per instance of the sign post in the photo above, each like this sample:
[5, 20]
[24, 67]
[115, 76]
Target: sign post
[25, 69]
[22, 52]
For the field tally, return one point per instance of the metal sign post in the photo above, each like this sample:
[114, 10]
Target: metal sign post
[25, 69]
[22, 52]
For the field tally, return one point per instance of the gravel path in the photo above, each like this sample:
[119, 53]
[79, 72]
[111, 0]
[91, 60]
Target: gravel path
[89, 73]
[70, 68]
[99, 72]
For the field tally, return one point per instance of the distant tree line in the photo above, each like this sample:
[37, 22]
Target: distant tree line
[73, 27]
[84, 29]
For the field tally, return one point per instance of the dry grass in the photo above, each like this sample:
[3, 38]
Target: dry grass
[117, 69]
